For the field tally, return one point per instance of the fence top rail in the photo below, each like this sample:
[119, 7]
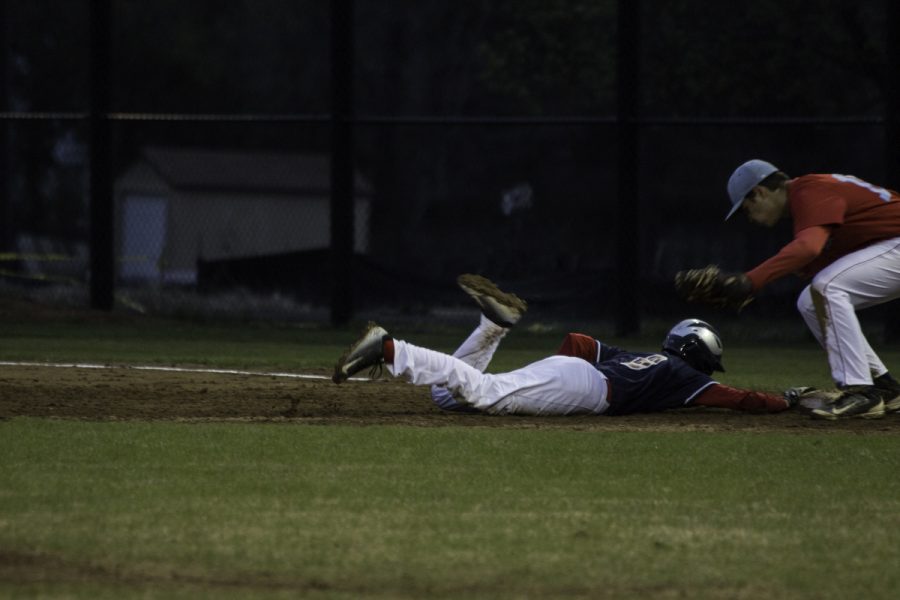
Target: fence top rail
[656, 121]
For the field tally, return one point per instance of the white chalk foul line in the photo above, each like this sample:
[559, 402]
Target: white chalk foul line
[168, 369]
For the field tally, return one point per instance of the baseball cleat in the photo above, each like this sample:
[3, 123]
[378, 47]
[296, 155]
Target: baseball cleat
[859, 401]
[367, 351]
[500, 307]
[889, 388]
[892, 405]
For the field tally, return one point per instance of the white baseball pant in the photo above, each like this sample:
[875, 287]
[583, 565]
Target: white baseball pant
[476, 351]
[867, 277]
[557, 385]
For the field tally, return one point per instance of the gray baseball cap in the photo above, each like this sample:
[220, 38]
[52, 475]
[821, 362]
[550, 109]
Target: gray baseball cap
[745, 178]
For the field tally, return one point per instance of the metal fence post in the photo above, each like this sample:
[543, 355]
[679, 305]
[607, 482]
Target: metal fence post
[6, 234]
[892, 132]
[342, 201]
[102, 251]
[628, 242]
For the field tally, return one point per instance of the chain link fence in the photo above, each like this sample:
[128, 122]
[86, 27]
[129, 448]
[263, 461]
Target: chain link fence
[227, 214]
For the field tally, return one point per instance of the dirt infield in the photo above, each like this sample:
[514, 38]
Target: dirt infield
[123, 393]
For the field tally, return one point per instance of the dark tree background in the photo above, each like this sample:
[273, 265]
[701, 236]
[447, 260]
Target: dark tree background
[705, 68]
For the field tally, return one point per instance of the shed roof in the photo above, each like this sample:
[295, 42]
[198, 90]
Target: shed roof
[206, 169]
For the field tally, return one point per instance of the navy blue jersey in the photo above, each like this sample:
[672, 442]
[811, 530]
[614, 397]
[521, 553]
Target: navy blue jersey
[648, 382]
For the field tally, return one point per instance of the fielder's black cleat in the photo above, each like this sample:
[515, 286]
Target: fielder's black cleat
[367, 351]
[500, 307]
[857, 402]
[889, 388]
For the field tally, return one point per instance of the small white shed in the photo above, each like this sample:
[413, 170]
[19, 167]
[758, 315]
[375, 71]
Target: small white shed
[176, 206]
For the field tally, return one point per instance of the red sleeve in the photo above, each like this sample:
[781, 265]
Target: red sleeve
[805, 247]
[723, 396]
[580, 346]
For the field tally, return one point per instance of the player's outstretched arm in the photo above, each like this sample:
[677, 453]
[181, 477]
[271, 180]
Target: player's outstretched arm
[723, 396]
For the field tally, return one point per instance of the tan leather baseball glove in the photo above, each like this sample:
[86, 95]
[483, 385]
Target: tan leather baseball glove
[711, 285]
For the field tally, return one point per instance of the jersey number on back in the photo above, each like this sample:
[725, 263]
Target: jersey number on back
[645, 362]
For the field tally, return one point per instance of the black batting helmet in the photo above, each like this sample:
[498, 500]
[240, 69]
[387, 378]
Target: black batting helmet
[697, 343]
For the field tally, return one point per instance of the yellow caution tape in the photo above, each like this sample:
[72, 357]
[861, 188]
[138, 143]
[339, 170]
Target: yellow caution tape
[11, 256]
[39, 277]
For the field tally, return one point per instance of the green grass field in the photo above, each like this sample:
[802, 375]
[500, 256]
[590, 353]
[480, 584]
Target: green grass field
[185, 510]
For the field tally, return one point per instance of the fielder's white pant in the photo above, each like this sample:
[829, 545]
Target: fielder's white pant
[557, 385]
[864, 278]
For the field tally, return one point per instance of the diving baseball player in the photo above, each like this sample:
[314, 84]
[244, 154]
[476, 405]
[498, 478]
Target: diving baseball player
[585, 377]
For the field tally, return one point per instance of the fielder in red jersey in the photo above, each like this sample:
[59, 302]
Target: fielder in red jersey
[847, 242]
